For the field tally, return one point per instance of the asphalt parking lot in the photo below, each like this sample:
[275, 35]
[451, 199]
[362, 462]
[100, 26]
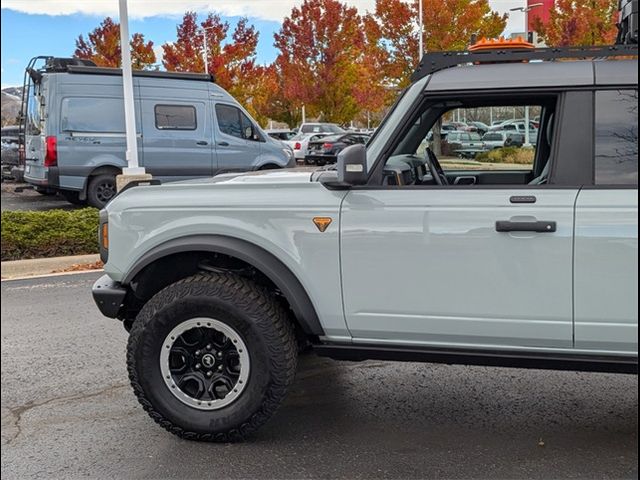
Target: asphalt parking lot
[68, 411]
[29, 199]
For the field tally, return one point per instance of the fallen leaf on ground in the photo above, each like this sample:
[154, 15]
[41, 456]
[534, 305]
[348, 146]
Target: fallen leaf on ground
[79, 267]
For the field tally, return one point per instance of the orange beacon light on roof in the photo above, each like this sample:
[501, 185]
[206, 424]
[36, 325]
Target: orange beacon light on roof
[500, 44]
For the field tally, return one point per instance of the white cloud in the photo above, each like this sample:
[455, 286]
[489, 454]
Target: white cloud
[264, 9]
[274, 10]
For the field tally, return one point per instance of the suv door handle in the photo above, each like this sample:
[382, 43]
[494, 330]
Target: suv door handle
[540, 227]
[202, 142]
[223, 144]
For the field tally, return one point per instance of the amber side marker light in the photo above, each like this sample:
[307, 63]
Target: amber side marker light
[322, 222]
[500, 44]
[105, 236]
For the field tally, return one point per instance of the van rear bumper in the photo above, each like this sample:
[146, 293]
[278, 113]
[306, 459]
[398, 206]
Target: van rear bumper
[108, 296]
[42, 176]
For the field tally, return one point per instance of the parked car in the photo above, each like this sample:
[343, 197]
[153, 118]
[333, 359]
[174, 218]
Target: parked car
[325, 150]
[319, 127]
[9, 142]
[281, 134]
[502, 138]
[391, 256]
[188, 127]
[462, 144]
[300, 144]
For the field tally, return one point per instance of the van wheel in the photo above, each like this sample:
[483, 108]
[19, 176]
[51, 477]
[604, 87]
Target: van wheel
[211, 357]
[72, 197]
[102, 188]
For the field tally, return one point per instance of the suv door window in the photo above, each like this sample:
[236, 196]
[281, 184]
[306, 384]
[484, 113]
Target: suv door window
[469, 146]
[616, 132]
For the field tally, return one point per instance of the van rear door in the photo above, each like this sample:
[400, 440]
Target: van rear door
[176, 134]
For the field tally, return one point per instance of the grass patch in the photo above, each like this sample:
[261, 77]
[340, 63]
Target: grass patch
[54, 233]
[519, 156]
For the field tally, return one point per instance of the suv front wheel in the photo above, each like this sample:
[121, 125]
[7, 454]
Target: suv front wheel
[211, 357]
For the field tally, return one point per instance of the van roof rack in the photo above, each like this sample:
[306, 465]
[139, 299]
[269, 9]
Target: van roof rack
[88, 70]
[434, 62]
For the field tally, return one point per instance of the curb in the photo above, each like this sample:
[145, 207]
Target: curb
[50, 275]
[45, 266]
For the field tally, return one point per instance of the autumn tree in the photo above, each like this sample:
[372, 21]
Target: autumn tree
[321, 60]
[579, 23]
[103, 47]
[448, 25]
[232, 62]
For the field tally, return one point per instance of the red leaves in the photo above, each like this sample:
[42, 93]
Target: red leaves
[103, 47]
[231, 62]
[579, 22]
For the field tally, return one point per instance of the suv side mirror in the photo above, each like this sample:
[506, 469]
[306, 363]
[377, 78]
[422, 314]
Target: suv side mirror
[352, 165]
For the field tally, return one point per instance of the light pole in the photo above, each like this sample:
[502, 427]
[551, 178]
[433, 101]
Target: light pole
[133, 171]
[526, 10]
[420, 32]
[206, 48]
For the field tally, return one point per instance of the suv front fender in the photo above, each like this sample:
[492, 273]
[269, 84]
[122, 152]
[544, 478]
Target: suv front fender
[249, 253]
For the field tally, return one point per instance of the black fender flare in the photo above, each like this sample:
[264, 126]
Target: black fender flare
[250, 253]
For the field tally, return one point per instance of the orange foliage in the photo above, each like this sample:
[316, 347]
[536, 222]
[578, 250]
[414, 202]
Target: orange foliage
[579, 23]
[103, 47]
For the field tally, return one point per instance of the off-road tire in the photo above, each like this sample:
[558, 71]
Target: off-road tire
[265, 329]
[98, 188]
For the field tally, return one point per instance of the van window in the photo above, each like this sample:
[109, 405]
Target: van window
[233, 122]
[34, 110]
[175, 117]
[78, 114]
[616, 149]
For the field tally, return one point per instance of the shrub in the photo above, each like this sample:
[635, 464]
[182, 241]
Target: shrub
[521, 156]
[53, 233]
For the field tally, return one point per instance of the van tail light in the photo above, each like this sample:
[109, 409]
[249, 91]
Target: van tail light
[327, 146]
[297, 146]
[51, 152]
[21, 155]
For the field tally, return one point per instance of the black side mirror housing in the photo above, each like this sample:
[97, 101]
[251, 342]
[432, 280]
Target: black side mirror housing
[352, 165]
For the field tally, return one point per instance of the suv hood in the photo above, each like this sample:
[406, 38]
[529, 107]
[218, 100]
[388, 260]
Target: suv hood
[292, 175]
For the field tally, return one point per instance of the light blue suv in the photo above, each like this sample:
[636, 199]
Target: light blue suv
[396, 253]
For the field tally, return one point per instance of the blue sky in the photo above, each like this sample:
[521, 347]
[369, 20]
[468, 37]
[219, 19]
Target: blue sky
[26, 32]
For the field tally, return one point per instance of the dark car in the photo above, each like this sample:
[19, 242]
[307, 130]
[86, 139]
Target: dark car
[325, 150]
[10, 156]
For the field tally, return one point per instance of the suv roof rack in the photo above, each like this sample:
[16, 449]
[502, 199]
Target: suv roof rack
[434, 62]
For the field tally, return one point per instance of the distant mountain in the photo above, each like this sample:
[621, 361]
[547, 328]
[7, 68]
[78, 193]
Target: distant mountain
[10, 105]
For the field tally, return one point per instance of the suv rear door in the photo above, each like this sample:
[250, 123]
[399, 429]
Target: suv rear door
[606, 243]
